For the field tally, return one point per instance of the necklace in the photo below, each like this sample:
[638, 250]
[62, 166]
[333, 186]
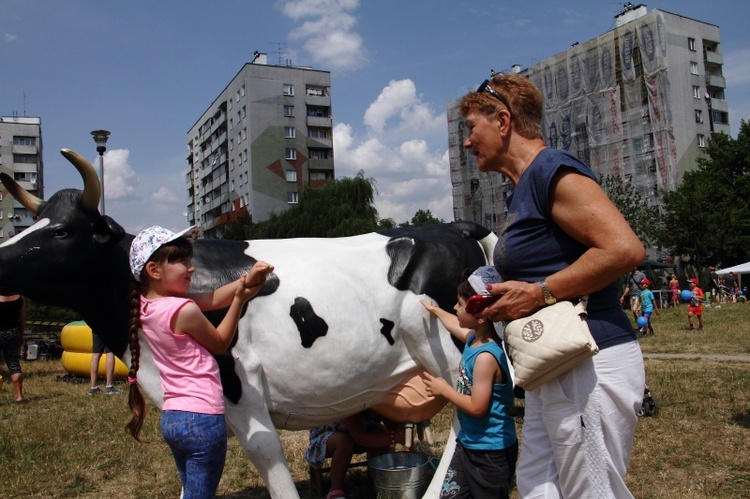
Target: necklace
[527, 161]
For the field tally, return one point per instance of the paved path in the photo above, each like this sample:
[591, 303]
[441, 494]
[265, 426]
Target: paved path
[722, 358]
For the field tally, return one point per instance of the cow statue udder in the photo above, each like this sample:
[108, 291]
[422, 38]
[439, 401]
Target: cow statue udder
[337, 326]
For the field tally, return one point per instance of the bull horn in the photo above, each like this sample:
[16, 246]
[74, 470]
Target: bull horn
[91, 187]
[28, 200]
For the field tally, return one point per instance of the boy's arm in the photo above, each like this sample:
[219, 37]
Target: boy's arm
[449, 320]
[476, 404]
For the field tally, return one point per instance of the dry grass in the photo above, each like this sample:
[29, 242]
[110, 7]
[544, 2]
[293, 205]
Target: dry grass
[64, 443]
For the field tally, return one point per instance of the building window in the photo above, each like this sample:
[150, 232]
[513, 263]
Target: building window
[289, 111]
[242, 90]
[701, 140]
[24, 141]
[316, 91]
[317, 133]
[693, 68]
[696, 91]
[691, 44]
[290, 153]
[320, 112]
[291, 175]
[29, 159]
[289, 132]
[291, 198]
[318, 153]
[288, 89]
[698, 116]
[317, 176]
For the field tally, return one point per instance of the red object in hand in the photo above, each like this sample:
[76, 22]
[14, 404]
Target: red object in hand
[477, 303]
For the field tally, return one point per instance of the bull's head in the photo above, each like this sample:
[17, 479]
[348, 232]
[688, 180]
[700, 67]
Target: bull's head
[70, 244]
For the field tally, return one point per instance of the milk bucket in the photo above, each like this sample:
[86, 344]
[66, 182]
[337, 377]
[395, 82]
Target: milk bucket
[401, 475]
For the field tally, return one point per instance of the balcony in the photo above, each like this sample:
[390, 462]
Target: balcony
[18, 149]
[320, 164]
[716, 81]
[319, 121]
[319, 143]
[318, 100]
[713, 57]
[719, 105]
[721, 128]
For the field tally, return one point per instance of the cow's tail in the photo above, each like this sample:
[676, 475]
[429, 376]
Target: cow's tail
[485, 237]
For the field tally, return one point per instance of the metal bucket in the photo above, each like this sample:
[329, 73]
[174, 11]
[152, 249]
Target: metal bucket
[401, 475]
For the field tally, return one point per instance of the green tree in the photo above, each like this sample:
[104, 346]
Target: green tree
[422, 217]
[339, 208]
[708, 217]
[644, 221]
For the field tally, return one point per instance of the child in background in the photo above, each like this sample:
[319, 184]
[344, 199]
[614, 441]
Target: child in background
[182, 341]
[648, 305]
[695, 308]
[341, 440]
[484, 462]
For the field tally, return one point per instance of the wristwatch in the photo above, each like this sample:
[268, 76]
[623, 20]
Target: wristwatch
[548, 298]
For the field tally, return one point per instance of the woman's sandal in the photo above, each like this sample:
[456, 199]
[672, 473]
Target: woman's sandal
[335, 494]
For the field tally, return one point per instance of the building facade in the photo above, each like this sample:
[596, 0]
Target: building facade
[266, 135]
[20, 158]
[638, 102]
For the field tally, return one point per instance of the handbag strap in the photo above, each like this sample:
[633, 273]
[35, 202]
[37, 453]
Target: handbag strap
[581, 306]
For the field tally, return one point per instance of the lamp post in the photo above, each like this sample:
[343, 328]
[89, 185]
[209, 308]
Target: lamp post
[100, 137]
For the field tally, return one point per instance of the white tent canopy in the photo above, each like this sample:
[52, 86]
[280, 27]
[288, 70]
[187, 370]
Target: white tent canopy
[743, 268]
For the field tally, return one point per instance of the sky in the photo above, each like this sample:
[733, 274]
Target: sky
[147, 70]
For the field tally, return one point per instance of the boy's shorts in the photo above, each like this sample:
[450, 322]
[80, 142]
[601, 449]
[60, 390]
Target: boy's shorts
[696, 310]
[99, 346]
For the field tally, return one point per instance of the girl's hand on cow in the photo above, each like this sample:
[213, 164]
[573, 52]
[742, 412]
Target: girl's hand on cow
[249, 284]
[435, 386]
[519, 300]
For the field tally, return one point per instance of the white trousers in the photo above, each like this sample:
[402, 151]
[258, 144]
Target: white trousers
[578, 429]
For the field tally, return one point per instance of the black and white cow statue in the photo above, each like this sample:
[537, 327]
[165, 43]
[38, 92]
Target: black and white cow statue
[337, 326]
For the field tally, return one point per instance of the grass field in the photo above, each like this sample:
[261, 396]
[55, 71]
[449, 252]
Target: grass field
[63, 443]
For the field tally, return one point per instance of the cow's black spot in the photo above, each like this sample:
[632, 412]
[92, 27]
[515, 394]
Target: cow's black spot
[430, 259]
[386, 330]
[230, 382]
[309, 325]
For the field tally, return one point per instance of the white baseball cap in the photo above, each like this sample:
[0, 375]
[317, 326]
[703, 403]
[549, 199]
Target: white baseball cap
[149, 240]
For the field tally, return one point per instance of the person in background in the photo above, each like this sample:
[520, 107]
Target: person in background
[12, 327]
[731, 285]
[633, 292]
[648, 305]
[695, 308]
[674, 285]
[562, 239]
[183, 343]
[715, 287]
[340, 440]
[484, 461]
[109, 368]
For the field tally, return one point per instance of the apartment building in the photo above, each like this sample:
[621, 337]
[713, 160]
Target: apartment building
[21, 159]
[638, 102]
[265, 136]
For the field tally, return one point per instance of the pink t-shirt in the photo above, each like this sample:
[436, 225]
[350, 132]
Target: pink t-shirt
[189, 373]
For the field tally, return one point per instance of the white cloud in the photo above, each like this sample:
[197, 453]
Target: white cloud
[10, 37]
[404, 152]
[119, 178]
[399, 101]
[328, 38]
[164, 195]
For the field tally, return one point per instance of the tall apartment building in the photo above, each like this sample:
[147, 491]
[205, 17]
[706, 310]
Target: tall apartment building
[21, 159]
[637, 102]
[266, 135]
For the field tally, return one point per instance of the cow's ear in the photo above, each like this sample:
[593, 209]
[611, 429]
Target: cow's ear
[107, 232]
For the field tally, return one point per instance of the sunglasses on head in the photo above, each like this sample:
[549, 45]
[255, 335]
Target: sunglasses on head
[485, 87]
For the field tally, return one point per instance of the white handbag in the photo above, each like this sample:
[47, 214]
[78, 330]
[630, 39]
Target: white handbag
[549, 343]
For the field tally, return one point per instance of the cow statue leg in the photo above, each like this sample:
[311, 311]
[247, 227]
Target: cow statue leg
[251, 423]
[436, 485]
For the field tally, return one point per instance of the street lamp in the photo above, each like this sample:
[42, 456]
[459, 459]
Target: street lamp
[100, 137]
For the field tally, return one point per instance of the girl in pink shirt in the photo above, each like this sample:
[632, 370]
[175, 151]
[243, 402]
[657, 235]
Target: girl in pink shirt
[183, 343]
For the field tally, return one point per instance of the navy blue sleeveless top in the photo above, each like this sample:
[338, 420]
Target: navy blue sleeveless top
[531, 246]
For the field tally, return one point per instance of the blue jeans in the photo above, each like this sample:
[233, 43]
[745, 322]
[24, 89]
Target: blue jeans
[199, 445]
